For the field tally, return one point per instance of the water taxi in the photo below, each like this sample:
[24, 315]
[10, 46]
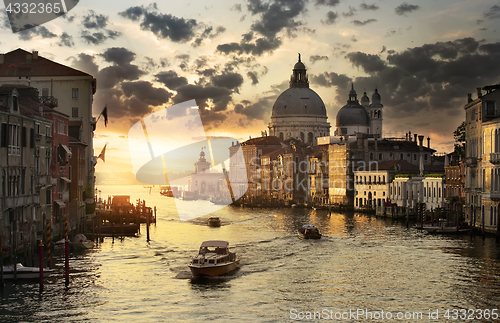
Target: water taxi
[309, 231]
[214, 259]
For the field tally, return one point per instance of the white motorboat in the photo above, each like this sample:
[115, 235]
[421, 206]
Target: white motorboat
[80, 242]
[25, 272]
[214, 259]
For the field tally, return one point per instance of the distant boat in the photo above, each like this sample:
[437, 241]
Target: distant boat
[441, 229]
[221, 201]
[214, 259]
[166, 191]
[309, 231]
[25, 272]
[214, 221]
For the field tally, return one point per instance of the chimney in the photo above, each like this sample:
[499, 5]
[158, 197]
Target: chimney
[35, 54]
[428, 142]
[479, 93]
[421, 142]
[2, 58]
[415, 137]
[409, 135]
[469, 97]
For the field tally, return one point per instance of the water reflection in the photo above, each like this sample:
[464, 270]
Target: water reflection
[360, 262]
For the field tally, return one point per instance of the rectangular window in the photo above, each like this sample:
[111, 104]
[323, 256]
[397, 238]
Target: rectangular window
[60, 127]
[74, 93]
[14, 103]
[48, 133]
[14, 148]
[490, 108]
[74, 112]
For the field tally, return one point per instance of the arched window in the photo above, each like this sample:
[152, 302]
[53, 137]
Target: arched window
[281, 135]
[302, 136]
[310, 137]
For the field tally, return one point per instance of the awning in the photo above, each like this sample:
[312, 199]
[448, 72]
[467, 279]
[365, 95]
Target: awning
[66, 179]
[67, 149]
[60, 203]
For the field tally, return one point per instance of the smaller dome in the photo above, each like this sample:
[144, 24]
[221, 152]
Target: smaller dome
[352, 115]
[299, 66]
[376, 96]
[365, 98]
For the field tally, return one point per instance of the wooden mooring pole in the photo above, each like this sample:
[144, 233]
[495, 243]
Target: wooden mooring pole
[40, 264]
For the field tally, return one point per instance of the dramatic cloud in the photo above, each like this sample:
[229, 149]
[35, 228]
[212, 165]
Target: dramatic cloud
[99, 37]
[66, 40]
[331, 3]
[208, 33]
[272, 19]
[365, 6]
[145, 92]
[257, 110]
[314, 58]
[493, 13]
[171, 80]
[163, 26]
[228, 80]
[121, 70]
[253, 77]
[433, 77]
[96, 21]
[30, 33]
[362, 23]
[405, 8]
[85, 63]
[331, 17]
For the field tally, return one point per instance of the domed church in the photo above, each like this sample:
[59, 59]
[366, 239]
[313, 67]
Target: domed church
[360, 118]
[299, 112]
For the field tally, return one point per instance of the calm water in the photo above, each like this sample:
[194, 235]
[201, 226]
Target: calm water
[363, 263]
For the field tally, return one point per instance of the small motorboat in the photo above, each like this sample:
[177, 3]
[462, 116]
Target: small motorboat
[214, 221]
[25, 272]
[309, 231]
[214, 259]
[80, 242]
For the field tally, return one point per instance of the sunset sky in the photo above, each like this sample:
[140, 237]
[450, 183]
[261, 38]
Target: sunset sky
[236, 57]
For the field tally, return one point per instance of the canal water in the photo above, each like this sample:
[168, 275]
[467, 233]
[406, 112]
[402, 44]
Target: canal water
[363, 269]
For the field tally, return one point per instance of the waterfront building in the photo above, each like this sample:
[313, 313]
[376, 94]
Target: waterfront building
[25, 157]
[455, 184]
[483, 158]
[78, 190]
[73, 89]
[204, 182]
[318, 176]
[299, 112]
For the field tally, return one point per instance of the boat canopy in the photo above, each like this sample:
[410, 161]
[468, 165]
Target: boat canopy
[215, 243]
[308, 226]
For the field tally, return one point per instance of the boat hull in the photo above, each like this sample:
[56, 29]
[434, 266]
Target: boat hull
[217, 270]
[443, 230]
[25, 272]
[309, 236]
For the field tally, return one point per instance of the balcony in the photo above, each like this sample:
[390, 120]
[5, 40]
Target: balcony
[471, 161]
[495, 195]
[495, 158]
[48, 138]
[38, 137]
[12, 202]
[49, 100]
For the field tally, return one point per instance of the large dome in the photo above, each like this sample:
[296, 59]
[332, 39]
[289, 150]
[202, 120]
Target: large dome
[299, 101]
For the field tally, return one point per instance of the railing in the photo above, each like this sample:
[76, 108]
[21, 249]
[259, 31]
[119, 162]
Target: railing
[495, 158]
[495, 195]
[50, 100]
[38, 137]
[471, 161]
[48, 138]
